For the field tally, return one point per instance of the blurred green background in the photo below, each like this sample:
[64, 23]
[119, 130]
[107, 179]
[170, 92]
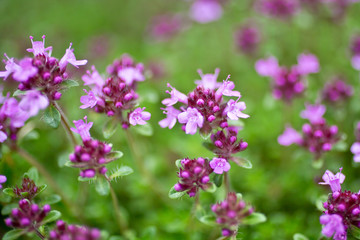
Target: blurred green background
[282, 182]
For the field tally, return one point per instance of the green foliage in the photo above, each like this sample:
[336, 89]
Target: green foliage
[173, 194]
[120, 172]
[52, 117]
[52, 216]
[254, 218]
[13, 234]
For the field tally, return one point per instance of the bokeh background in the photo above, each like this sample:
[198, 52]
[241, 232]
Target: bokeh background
[282, 183]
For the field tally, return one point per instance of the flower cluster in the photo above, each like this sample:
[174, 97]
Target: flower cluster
[336, 91]
[282, 9]
[27, 216]
[42, 72]
[92, 155]
[63, 231]
[193, 174]
[165, 27]
[27, 190]
[342, 209]
[288, 83]
[355, 148]
[230, 213]
[205, 107]
[317, 137]
[247, 39]
[117, 93]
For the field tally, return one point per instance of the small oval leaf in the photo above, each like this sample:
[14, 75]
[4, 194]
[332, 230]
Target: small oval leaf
[52, 117]
[9, 191]
[13, 234]
[178, 163]
[210, 187]
[69, 83]
[355, 231]
[109, 128]
[51, 199]
[208, 220]
[122, 171]
[242, 162]
[102, 186]
[218, 179]
[114, 155]
[52, 216]
[254, 218]
[33, 174]
[299, 236]
[145, 130]
[173, 194]
[7, 209]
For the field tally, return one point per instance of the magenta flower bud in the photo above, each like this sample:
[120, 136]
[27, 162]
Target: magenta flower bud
[185, 174]
[231, 214]
[336, 195]
[205, 179]
[110, 113]
[233, 139]
[21, 87]
[178, 187]
[106, 90]
[251, 210]
[8, 222]
[244, 145]
[325, 204]
[334, 130]
[224, 125]
[326, 146]
[94, 143]
[118, 105]
[306, 128]
[88, 173]
[197, 170]
[200, 102]
[211, 118]
[125, 126]
[192, 194]
[103, 170]
[46, 208]
[46, 76]
[23, 203]
[52, 61]
[216, 109]
[65, 75]
[211, 103]
[224, 204]
[354, 197]
[242, 204]
[128, 97]
[218, 144]
[201, 160]
[85, 157]
[34, 208]
[331, 207]
[72, 157]
[341, 207]
[220, 220]
[355, 211]
[318, 133]
[58, 79]
[60, 224]
[24, 222]
[95, 233]
[102, 160]
[57, 95]
[15, 212]
[226, 232]
[122, 86]
[52, 234]
[78, 149]
[214, 207]
[37, 63]
[107, 148]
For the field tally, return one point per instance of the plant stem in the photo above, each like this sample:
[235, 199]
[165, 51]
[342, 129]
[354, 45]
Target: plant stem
[119, 217]
[65, 123]
[38, 233]
[226, 183]
[49, 180]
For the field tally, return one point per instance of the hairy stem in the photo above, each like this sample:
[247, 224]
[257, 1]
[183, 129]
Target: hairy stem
[65, 123]
[38, 233]
[49, 180]
[226, 183]
[119, 217]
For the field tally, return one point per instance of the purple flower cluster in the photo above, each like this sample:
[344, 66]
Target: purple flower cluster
[247, 39]
[288, 83]
[355, 148]
[230, 212]
[117, 93]
[342, 209]
[193, 174]
[282, 9]
[205, 107]
[27, 216]
[336, 91]
[43, 72]
[63, 231]
[92, 155]
[27, 190]
[317, 137]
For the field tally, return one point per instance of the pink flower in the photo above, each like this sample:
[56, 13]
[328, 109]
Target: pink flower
[314, 113]
[209, 80]
[219, 165]
[82, 128]
[205, 11]
[11, 109]
[2, 180]
[226, 89]
[355, 149]
[171, 116]
[10, 67]
[334, 181]
[93, 78]
[355, 61]
[267, 67]
[131, 74]
[3, 135]
[88, 100]
[290, 136]
[38, 47]
[192, 118]
[139, 117]
[175, 96]
[307, 63]
[333, 225]
[24, 70]
[234, 108]
[69, 57]
[33, 101]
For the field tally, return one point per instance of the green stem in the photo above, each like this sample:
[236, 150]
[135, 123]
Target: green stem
[38, 233]
[119, 217]
[65, 123]
[226, 183]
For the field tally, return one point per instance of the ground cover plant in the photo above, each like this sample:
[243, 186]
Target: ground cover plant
[186, 119]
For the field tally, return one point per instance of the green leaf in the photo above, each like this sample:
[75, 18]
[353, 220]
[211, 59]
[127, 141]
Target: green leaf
[52, 216]
[209, 146]
[299, 236]
[318, 163]
[19, 93]
[254, 218]
[122, 171]
[355, 231]
[52, 117]
[13, 234]
[210, 187]
[178, 163]
[51, 199]
[109, 128]
[340, 146]
[68, 164]
[33, 174]
[205, 136]
[7, 209]
[69, 83]
[81, 179]
[114, 155]
[42, 188]
[218, 179]
[9, 191]
[102, 187]
[173, 194]
[242, 162]
[208, 220]
[236, 123]
[145, 130]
